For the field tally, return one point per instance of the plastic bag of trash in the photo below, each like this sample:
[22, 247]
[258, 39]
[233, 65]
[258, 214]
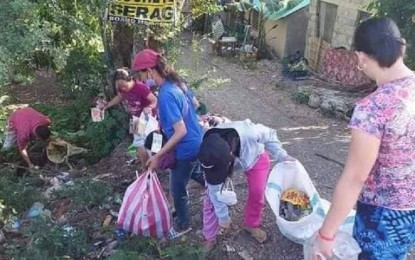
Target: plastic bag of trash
[287, 175]
[294, 205]
[345, 248]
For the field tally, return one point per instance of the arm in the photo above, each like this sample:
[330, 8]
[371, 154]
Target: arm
[179, 132]
[363, 152]
[221, 209]
[269, 138]
[25, 156]
[153, 105]
[115, 101]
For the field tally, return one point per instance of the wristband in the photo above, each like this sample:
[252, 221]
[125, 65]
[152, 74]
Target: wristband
[324, 237]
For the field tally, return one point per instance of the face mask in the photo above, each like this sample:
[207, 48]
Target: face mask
[150, 83]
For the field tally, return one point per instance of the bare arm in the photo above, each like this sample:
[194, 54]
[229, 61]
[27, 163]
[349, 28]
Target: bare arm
[363, 151]
[115, 101]
[179, 132]
[25, 156]
[153, 100]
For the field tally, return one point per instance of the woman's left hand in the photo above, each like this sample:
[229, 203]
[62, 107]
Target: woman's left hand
[322, 247]
[152, 163]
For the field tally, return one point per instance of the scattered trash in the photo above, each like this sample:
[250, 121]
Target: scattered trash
[118, 199]
[13, 225]
[294, 205]
[107, 221]
[64, 176]
[114, 213]
[121, 234]
[245, 255]
[69, 230]
[35, 210]
[173, 234]
[230, 249]
[55, 182]
[109, 249]
[2, 237]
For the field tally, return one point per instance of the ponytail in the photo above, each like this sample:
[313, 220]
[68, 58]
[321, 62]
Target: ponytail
[167, 73]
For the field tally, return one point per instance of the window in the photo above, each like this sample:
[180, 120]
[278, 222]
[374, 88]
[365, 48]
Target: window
[254, 19]
[327, 18]
[361, 16]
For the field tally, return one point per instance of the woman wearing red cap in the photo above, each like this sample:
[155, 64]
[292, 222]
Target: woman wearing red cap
[180, 125]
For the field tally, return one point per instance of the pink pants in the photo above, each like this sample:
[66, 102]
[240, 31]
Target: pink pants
[257, 179]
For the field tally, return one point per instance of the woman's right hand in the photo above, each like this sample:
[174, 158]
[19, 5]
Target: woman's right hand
[153, 163]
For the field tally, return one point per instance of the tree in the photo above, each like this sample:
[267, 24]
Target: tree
[403, 13]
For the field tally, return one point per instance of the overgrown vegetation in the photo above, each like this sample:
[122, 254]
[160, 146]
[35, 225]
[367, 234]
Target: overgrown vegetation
[16, 196]
[86, 192]
[301, 96]
[139, 248]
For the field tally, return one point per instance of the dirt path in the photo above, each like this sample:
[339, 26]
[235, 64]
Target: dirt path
[253, 94]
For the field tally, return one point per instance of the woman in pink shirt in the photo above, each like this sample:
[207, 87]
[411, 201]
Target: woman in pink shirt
[137, 98]
[380, 171]
[25, 125]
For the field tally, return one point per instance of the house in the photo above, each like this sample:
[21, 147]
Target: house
[290, 23]
[331, 25]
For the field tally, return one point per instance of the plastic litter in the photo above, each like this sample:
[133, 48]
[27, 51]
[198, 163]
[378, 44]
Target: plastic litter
[345, 248]
[294, 205]
[35, 210]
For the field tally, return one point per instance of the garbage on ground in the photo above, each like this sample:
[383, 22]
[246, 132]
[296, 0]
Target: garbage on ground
[2, 237]
[107, 221]
[345, 247]
[121, 234]
[294, 205]
[97, 112]
[13, 225]
[35, 210]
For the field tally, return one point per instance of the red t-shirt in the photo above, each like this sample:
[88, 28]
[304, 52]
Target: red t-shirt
[136, 100]
[24, 122]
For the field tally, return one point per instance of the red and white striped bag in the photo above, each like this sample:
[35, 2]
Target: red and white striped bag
[145, 209]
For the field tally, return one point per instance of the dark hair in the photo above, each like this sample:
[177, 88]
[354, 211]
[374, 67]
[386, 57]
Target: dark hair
[43, 132]
[166, 72]
[380, 39]
[122, 74]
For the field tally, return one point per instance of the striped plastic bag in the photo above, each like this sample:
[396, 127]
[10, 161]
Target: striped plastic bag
[145, 209]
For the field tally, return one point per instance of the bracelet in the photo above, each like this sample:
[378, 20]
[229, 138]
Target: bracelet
[324, 237]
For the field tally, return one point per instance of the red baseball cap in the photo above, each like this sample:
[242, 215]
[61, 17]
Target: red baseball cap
[145, 59]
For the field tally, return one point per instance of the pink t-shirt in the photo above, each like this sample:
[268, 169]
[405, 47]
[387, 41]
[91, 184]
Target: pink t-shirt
[24, 121]
[389, 114]
[136, 100]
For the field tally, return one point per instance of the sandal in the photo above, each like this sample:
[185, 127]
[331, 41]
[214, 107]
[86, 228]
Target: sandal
[257, 233]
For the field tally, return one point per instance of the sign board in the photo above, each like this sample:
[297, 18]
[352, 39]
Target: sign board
[142, 11]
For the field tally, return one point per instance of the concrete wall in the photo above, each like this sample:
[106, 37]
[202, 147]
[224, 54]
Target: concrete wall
[277, 38]
[289, 35]
[297, 31]
[346, 19]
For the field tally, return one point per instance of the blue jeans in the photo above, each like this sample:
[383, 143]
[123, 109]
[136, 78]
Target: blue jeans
[180, 176]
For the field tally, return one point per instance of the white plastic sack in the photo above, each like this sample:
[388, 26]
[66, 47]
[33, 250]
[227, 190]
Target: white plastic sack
[145, 124]
[288, 175]
[227, 194]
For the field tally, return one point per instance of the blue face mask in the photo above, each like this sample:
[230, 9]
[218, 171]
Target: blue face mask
[150, 83]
